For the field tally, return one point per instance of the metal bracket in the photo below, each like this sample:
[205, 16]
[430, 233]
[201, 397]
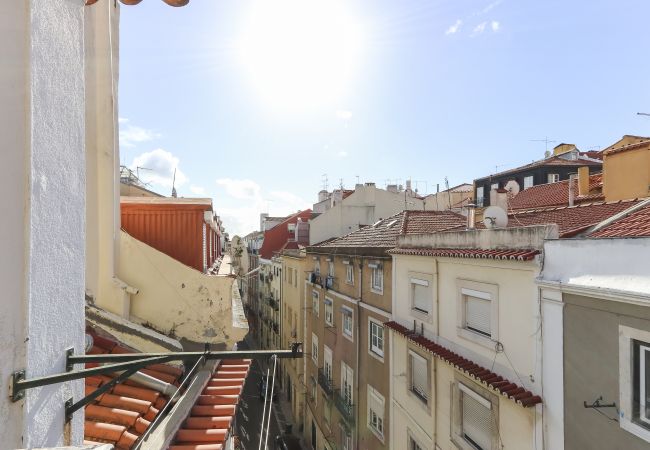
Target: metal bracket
[68, 364]
[15, 392]
[597, 404]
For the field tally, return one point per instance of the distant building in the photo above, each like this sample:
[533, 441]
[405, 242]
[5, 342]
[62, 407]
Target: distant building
[565, 160]
[454, 198]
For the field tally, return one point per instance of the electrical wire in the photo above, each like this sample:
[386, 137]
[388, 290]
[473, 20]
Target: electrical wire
[268, 420]
[266, 399]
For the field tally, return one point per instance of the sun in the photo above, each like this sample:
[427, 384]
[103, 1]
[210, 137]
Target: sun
[300, 54]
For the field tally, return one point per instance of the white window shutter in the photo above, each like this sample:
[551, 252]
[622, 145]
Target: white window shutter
[421, 299]
[478, 314]
[419, 376]
[477, 421]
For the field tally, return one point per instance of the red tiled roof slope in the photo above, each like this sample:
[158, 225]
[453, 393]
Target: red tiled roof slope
[210, 420]
[636, 224]
[570, 220]
[279, 235]
[122, 414]
[554, 194]
[478, 373]
[384, 233]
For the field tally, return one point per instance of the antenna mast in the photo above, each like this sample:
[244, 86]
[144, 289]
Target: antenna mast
[546, 141]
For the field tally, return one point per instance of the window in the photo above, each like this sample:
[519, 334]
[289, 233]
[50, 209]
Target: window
[494, 186]
[473, 419]
[329, 312]
[317, 267]
[413, 444]
[528, 182]
[289, 276]
[330, 269]
[553, 177]
[312, 389]
[347, 322]
[327, 362]
[478, 312]
[349, 272]
[479, 196]
[634, 381]
[376, 277]
[420, 296]
[346, 439]
[315, 300]
[376, 338]
[376, 412]
[314, 348]
[419, 376]
[347, 377]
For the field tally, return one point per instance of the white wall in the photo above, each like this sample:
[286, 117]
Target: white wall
[43, 226]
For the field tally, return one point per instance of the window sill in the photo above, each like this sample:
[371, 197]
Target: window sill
[377, 434]
[424, 404]
[349, 337]
[635, 429]
[424, 317]
[375, 355]
[377, 291]
[477, 338]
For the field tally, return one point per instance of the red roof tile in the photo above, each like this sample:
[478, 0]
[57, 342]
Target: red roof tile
[554, 194]
[571, 220]
[478, 373]
[636, 224]
[210, 419]
[384, 233]
[122, 414]
[278, 236]
[508, 254]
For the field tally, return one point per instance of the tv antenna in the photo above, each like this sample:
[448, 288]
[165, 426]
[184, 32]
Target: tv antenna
[325, 182]
[546, 141]
[137, 171]
[642, 114]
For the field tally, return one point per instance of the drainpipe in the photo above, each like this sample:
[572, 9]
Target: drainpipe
[357, 342]
[152, 383]
[127, 292]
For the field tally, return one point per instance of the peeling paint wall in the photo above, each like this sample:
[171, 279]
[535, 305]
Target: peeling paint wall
[176, 299]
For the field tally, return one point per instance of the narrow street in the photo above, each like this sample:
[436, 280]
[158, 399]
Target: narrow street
[249, 413]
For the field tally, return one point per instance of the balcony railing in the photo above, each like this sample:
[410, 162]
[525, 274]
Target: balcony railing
[273, 303]
[345, 407]
[326, 382]
[329, 282]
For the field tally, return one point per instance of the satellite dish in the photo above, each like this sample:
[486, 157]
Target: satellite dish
[495, 217]
[513, 187]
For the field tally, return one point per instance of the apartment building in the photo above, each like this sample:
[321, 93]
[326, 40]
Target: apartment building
[348, 297]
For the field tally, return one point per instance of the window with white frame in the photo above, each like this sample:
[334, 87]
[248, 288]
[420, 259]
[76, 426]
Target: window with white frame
[347, 322]
[327, 362]
[315, 302]
[314, 348]
[349, 272]
[419, 376]
[480, 196]
[421, 298]
[634, 381]
[553, 177]
[376, 337]
[347, 377]
[376, 412]
[478, 311]
[329, 312]
[494, 186]
[330, 268]
[528, 182]
[376, 277]
[474, 419]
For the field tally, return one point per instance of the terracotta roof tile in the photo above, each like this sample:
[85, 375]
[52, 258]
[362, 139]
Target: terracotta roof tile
[478, 373]
[384, 233]
[636, 224]
[508, 254]
[554, 194]
[122, 414]
[571, 220]
[210, 420]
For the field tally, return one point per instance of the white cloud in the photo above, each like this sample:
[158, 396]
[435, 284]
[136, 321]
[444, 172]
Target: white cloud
[130, 135]
[455, 27]
[242, 217]
[491, 6]
[243, 189]
[343, 114]
[157, 167]
[342, 154]
[122, 120]
[198, 190]
[479, 29]
[495, 26]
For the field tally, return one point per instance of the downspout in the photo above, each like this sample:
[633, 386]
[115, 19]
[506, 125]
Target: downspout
[304, 336]
[435, 360]
[358, 342]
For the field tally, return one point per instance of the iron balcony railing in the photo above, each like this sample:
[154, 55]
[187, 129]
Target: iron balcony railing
[329, 282]
[326, 382]
[273, 303]
[344, 406]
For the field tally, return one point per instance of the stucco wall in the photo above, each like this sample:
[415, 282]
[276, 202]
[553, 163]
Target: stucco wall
[627, 175]
[591, 370]
[176, 299]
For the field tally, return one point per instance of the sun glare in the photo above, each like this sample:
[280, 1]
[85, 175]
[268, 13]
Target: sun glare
[300, 54]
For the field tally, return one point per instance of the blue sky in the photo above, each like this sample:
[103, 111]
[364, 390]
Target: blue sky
[418, 89]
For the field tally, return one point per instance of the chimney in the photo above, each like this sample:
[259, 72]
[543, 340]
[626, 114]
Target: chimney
[583, 180]
[572, 189]
[471, 216]
[322, 195]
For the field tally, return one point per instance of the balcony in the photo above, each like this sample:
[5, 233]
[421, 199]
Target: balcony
[329, 282]
[326, 382]
[273, 303]
[315, 278]
[345, 408]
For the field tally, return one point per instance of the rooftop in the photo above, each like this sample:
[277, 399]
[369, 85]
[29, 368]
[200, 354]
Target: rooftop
[551, 161]
[555, 194]
[166, 201]
[635, 224]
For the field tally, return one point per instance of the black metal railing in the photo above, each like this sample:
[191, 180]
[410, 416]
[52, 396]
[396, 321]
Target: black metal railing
[326, 382]
[345, 407]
